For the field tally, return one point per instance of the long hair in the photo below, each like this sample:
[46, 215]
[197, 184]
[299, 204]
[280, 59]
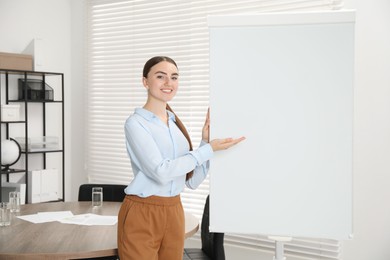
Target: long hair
[183, 129]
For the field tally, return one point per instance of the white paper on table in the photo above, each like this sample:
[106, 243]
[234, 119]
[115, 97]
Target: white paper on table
[54, 215]
[90, 220]
[42, 217]
[34, 218]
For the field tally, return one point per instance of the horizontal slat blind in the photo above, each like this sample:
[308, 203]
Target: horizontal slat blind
[121, 36]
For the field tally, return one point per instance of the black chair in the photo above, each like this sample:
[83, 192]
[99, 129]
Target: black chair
[111, 192]
[212, 243]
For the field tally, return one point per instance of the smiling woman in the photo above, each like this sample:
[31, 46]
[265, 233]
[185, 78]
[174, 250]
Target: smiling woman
[163, 164]
[161, 81]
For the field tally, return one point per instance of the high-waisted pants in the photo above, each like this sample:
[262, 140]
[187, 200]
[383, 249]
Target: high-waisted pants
[151, 228]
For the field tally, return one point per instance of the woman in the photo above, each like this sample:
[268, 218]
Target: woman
[151, 218]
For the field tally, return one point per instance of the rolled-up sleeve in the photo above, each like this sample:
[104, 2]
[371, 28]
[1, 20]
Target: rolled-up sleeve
[202, 154]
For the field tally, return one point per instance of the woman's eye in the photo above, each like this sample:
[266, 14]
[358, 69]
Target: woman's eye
[174, 78]
[160, 76]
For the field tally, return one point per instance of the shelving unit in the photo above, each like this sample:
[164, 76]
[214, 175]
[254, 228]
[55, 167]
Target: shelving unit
[38, 118]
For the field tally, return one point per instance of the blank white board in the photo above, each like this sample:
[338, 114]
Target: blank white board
[285, 82]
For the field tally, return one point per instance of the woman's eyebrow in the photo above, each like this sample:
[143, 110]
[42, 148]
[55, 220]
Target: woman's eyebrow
[162, 72]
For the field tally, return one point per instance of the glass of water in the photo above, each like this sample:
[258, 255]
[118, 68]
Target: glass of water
[97, 196]
[14, 201]
[5, 214]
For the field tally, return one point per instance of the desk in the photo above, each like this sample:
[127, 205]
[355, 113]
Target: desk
[192, 224]
[53, 240]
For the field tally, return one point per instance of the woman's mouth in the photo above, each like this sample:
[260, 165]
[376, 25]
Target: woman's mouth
[167, 91]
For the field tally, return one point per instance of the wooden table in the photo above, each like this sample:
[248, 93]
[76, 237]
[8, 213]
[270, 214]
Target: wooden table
[192, 224]
[54, 240]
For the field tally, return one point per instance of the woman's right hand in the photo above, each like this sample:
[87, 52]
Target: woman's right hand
[226, 143]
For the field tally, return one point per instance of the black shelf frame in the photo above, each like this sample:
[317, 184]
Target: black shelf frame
[26, 74]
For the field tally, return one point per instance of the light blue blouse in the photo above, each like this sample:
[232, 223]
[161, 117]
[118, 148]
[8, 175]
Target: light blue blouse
[160, 156]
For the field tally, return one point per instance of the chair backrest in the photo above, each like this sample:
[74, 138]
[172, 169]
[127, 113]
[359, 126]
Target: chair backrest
[212, 243]
[111, 192]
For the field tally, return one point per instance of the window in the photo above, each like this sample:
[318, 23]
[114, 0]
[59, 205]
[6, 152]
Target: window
[121, 36]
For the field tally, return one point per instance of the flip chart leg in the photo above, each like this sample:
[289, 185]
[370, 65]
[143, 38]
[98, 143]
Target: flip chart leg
[279, 251]
[279, 246]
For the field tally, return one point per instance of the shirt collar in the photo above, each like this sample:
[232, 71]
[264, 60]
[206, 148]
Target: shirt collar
[150, 115]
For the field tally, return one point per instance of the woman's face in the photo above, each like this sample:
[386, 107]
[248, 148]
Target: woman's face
[162, 81]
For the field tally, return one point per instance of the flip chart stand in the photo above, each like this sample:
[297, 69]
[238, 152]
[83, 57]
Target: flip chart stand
[279, 246]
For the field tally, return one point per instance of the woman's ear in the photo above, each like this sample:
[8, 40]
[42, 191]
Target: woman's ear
[145, 82]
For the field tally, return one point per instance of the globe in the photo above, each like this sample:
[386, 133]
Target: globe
[10, 152]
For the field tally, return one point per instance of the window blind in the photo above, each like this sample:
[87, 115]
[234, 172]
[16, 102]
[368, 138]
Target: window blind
[121, 36]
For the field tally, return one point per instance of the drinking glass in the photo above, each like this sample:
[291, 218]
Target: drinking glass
[5, 214]
[97, 196]
[14, 201]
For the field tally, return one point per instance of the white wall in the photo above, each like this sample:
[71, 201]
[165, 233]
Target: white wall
[77, 101]
[59, 22]
[372, 133]
[60, 29]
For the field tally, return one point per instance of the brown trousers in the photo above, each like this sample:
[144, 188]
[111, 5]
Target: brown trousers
[151, 228]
